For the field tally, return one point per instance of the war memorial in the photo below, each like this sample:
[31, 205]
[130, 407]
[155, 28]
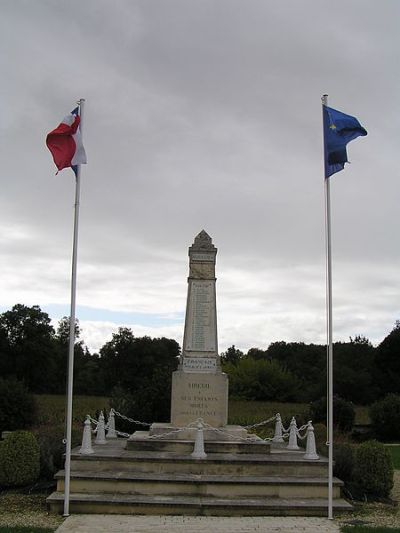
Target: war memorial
[198, 464]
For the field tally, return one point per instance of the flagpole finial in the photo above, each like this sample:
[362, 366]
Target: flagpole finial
[324, 99]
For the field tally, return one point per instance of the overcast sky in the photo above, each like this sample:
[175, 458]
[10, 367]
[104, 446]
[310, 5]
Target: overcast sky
[202, 114]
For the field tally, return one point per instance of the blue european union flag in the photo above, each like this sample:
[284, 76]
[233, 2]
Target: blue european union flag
[339, 129]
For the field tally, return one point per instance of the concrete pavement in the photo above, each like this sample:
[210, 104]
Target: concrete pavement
[194, 524]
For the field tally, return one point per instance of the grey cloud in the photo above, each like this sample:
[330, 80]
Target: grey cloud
[204, 115]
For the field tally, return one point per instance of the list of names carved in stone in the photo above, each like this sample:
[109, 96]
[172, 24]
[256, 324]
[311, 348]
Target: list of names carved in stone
[202, 318]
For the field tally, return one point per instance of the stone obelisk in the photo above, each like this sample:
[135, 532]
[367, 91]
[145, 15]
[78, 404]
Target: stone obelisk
[199, 387]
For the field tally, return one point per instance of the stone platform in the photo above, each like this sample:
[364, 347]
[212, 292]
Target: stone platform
[236, 479]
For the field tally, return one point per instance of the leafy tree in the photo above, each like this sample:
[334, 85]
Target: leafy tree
[353, 377]
[256, 353]
[27, 342]
[261, 380]
[232, 355]
[87, 376]
[307, 362]
[62, 334]
[385, 418]
[343, 412]
[387, 362]
[138, 373]
[17, 405]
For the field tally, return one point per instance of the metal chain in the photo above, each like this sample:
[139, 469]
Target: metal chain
[261, 423]
[301, 429]
[122, 434]
[131, 419]
[162, 435]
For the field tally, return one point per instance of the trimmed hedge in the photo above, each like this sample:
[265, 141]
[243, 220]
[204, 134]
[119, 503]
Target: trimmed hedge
[52, 448]
[373, 469]
[19, 459]
[343, 455]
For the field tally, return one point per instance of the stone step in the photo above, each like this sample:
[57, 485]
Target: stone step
[216, 486]
[113, 456]
[140, 441]
[193, 505]
[240, 465]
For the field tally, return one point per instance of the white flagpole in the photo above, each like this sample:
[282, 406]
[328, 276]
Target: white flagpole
[72, 332]
[329, 327]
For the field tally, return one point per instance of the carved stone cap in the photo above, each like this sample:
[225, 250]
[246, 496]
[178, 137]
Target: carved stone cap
[202, 242]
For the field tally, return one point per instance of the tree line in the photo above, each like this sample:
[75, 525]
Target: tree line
[296, 371]
[137, 370]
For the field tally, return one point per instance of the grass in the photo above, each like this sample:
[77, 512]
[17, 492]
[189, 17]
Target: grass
[244, 413]
[51, 410]
[367, 529]
[24, 529]
[23, 513]
[395, 453]
[51, 407]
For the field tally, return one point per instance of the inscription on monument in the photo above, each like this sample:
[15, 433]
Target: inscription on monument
[199, 364]
[201, 317]
[198, 401]
[202, 257]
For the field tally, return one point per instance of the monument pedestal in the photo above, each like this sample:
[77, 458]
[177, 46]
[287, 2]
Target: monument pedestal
[227, 434]
[199, 395]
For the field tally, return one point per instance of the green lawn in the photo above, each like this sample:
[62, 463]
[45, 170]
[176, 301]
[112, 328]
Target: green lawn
[244, 413]
[51, 407]
[395, 453]
[366, 529]
[18, 529]
[51, 410]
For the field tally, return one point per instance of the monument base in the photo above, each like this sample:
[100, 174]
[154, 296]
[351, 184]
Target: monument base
[171, 432]
[199, 395]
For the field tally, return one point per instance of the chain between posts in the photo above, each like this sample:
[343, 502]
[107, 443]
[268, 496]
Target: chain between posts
[191, 426]
[131, 419]
[263, 423]
[303, 427]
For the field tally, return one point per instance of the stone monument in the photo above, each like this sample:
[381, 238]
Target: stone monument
[199, 387]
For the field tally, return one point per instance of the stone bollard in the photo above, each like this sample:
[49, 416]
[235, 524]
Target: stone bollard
[101, 432]
[278, 430]
[198, 452]
[311, 450]
[86, 448]
[293, 436]
[111, 434]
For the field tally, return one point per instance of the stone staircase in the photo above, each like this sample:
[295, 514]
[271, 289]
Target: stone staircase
[143, 476]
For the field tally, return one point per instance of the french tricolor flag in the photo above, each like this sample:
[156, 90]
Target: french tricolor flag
[65, 143]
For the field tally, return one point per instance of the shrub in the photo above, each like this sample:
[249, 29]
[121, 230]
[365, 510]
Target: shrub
[385, 417]
[19, 459]
[52, 448]
[343, 455]
[320, 438]
[17, 406]
[373, 469]
[343, 413]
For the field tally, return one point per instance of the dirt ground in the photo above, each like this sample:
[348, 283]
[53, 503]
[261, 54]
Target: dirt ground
[378, 514]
